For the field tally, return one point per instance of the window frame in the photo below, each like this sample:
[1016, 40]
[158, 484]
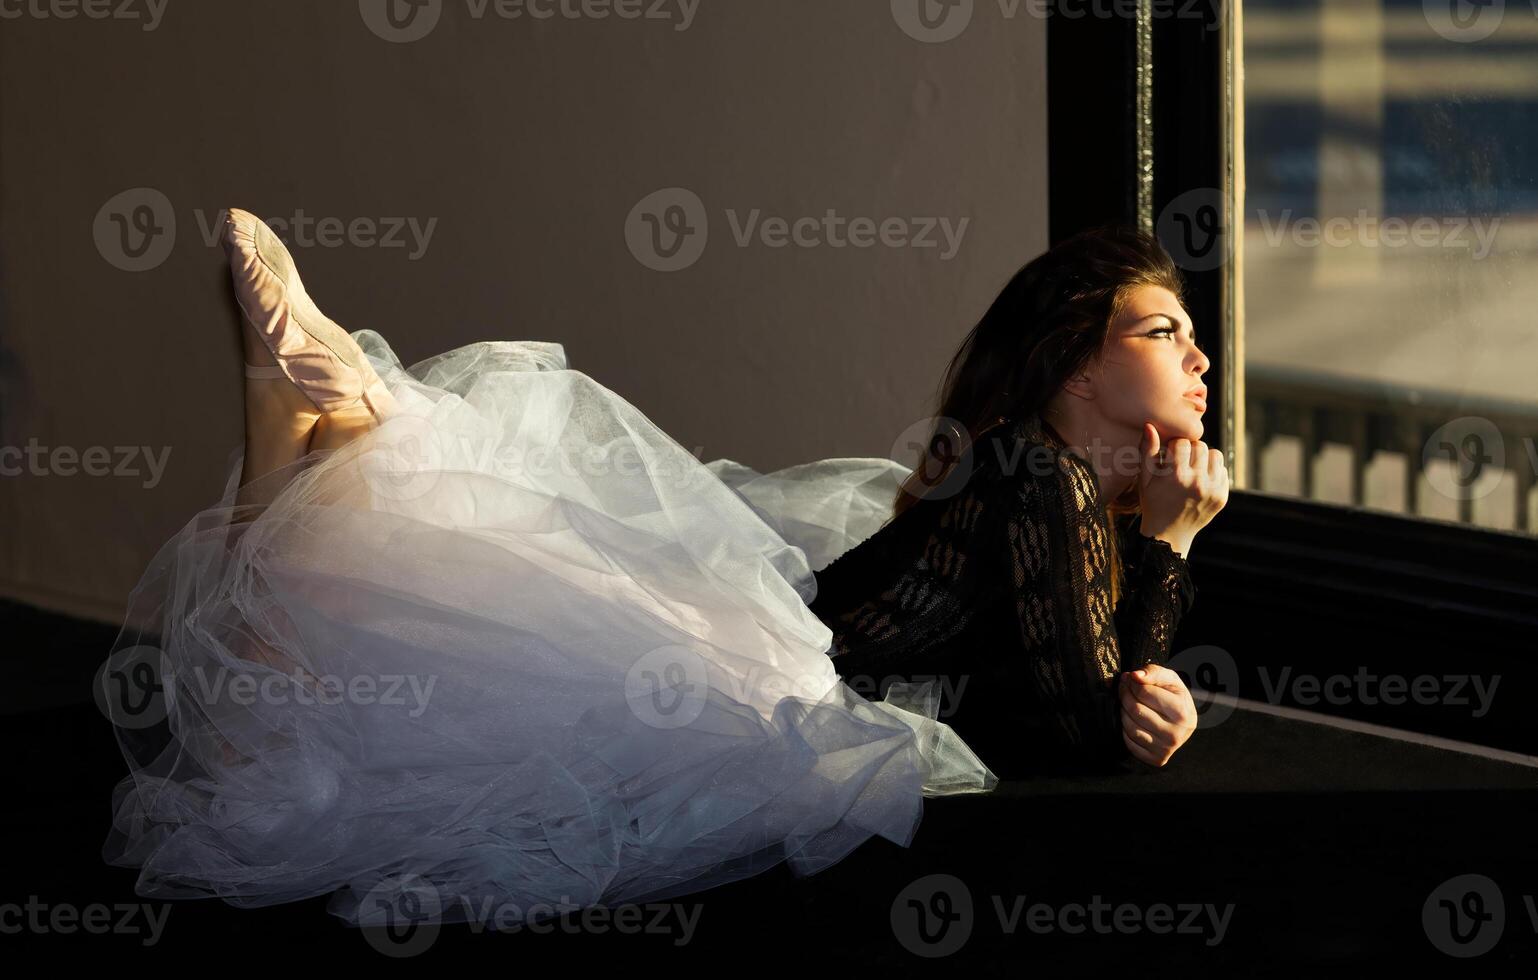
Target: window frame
[1282, 581]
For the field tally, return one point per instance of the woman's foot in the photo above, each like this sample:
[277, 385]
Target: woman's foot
[307, 347]
[312, 387]
[279, 418]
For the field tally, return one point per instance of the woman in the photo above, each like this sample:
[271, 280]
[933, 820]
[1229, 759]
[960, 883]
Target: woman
[477, 637]
[999, 572]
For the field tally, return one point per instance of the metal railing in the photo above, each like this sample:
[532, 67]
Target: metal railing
[1375, 417]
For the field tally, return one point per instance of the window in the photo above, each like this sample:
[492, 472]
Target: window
[1390, 256]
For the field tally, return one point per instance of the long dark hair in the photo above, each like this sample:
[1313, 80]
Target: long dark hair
[1050, 319]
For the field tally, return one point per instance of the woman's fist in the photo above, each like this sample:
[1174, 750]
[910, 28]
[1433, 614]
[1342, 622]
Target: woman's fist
[1158, 714]
[1181, 487]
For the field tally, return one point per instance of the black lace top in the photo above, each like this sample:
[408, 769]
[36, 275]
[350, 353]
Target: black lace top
[998, 585]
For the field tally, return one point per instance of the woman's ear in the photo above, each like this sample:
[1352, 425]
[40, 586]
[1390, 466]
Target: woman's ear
[1080, 386]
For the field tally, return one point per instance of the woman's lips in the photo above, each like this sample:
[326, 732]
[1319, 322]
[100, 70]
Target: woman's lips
[1199, 401]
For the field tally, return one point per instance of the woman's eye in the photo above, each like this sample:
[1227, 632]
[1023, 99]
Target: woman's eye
[1168, 330]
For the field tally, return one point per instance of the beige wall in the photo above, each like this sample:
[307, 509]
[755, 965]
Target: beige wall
[525, 145]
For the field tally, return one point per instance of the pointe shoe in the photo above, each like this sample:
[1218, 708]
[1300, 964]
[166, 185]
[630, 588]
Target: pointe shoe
[312, 351]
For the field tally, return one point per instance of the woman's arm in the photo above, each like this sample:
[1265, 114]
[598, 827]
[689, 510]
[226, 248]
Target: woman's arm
[1158, 591]
[1076, 645]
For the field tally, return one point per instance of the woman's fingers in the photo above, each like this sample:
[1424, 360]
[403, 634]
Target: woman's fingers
[1158, 675]
[1143, 754]
[1147, 718]
[1158, 714]
[1165, 702]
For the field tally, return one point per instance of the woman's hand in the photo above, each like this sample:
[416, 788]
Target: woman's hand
[1158, 714]
[1180, 493]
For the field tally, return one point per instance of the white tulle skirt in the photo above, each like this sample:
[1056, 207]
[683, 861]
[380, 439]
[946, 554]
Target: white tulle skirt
[516, 647]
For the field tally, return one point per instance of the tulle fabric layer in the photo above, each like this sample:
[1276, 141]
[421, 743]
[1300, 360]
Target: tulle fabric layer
[518, 645]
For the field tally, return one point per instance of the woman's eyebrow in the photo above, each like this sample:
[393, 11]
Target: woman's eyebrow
[1177, 324]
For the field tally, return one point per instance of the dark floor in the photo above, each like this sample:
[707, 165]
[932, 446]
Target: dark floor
[1268, 846]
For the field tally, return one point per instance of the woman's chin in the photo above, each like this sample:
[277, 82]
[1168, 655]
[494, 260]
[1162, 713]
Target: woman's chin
[1187, 428]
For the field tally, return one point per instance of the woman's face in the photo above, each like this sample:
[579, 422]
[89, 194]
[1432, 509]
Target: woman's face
[1150, 366]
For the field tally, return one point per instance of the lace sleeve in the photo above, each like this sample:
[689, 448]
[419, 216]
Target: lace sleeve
[926, 590]
[1075, 644]
[1159, 592]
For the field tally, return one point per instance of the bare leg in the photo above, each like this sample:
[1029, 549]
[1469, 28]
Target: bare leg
[279, 418]
[333, 430]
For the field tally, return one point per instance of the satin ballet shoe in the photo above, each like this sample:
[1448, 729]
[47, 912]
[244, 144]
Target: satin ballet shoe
[312, 351]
